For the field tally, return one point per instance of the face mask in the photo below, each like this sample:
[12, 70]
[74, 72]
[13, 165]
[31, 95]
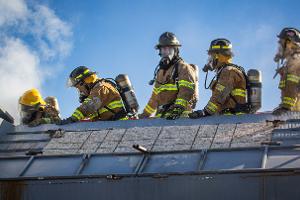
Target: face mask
[82, 96]
[280, 52]
[166, 54]
[27, 113]
[211, 64]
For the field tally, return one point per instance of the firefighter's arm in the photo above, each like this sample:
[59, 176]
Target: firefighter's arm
[44, 120]
[221, 92]
[152, 104]
[290, 91]
[89, 106]
[186, 85]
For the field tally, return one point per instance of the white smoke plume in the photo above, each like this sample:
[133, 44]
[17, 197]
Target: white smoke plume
[31, 35]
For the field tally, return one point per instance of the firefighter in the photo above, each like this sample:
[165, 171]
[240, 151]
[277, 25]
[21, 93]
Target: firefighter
[35, 111]
[99, 98]
[174, 92]
[289, 55]
[229, 87]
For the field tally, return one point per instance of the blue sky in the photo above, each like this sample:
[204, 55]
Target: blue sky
[118, 36]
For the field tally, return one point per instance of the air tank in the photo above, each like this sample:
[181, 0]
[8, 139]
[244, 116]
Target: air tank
[127, 93]
[255, 89]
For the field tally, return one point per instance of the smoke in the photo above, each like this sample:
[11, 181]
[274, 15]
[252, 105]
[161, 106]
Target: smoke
[32, 37]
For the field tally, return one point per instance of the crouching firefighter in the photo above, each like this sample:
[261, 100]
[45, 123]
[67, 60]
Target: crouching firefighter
[99, 98]
[34, 110]
[229, 86]
[175, 82]
[288, 56]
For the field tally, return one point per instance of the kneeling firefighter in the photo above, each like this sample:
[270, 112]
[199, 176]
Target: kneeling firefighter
[100, 98]
[175, 90]
[231, 85]
[288, 56]
[34, 110]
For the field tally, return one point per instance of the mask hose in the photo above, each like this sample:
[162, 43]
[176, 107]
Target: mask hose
[207, 87]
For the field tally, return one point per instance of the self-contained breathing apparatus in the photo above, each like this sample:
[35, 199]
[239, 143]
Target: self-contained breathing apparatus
[253, 87]
[123, 84]
[164, 108]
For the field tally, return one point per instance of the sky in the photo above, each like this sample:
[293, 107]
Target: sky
[43, 41]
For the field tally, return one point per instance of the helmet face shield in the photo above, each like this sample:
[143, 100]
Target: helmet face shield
[212, 62]
[167, 52]
[290, 34]
[78, 75]
[27, 113]
[70, 83]
[280, 50]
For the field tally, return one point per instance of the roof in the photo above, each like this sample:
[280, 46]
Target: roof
[155, 135]
[185, 158]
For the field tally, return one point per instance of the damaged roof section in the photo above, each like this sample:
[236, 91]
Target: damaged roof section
[165, 138]
[155, 135]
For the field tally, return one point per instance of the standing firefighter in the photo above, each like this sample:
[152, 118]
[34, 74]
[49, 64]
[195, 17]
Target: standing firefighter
[35, 111]
[229, 88]
[99, 98]
[175, 82]
[289, 55]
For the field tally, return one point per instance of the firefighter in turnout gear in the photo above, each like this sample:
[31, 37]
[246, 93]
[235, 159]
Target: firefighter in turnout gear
[34, 110]
[288, 56]
[174, 91]
[228, 86]
[100, 99]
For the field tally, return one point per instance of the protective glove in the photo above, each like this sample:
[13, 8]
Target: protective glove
[175, 112]
[68, 120]
[40, 121]
[34, 123]
[279, 111]
[198, 114]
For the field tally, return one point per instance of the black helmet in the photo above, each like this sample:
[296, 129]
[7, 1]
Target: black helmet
[167, 39]
[78, 75]
[292, 34]
[222, 46]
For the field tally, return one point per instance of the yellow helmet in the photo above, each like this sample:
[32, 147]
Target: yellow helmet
[31, 98]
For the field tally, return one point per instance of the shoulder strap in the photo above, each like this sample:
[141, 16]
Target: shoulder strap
[176, 68]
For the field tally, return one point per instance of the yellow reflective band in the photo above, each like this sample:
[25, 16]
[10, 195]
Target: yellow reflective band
[165, 87]
[293, 78]
[223, 47]
[112, 105]
[185, 113]
[212, 107]
[240, 113]
[78, 114]
[86, 71]
[115, 104]
[81, 75]
[220, 87]
[290, 102]
[181, 102]
[149, 109]
[281, 84]
[102, 110]
[158, 115]
[124, 118]
[87, 100]
[239, 92]
[92, 116]
[184, 83]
